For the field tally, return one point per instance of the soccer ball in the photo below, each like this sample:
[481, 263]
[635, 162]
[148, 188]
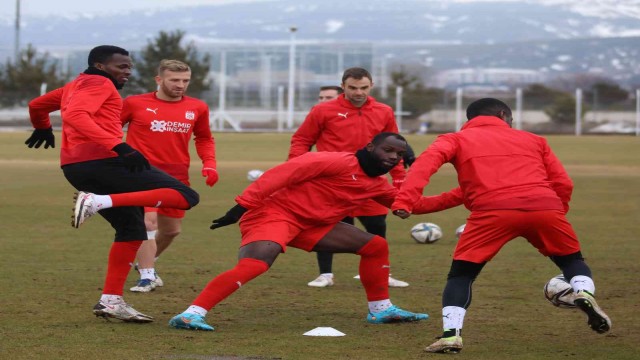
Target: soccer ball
[460, 230]
[426, 233]
[559, 292]
[253, 175]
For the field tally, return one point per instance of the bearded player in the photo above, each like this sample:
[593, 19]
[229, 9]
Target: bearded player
[300, 204]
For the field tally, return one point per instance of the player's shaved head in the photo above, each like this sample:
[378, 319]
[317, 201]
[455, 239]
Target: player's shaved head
[101, 54]
[378, 139]
[487, 107]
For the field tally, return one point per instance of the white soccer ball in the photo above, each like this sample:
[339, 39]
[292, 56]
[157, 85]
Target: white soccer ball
[460, 230]
[426, 233]
[253, 175]
[559, 292]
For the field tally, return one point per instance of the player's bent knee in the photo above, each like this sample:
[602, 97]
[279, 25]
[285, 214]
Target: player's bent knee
[264, 251]
[566, 259]
[462, 268]
[377, 245]
[192, 197]
[171, 235]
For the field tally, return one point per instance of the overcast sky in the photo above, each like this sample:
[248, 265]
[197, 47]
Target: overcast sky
[75, 7]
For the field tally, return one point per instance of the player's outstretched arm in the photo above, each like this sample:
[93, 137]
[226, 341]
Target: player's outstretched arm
[401, 213]
[444, 201]
[231, 217]
[431, 204]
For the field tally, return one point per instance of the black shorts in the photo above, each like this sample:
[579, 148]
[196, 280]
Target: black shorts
[109, 176]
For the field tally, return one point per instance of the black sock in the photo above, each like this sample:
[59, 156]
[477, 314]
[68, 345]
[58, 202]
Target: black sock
[451, 332]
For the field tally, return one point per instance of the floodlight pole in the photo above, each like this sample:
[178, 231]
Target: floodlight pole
[280, 112]
[399, 92]
[292, 76]
[637, 112]
[458, 109]
[578, 112]
[221, 115]
[222, 91]
[340, 64]
[16, 50]
[518, 108]
[384, 76]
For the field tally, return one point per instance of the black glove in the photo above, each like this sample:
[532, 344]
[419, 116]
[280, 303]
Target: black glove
[231, 217]
[39, 136]
[132, 158]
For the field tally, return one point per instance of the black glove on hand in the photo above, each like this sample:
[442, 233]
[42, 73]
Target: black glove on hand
[231, 217]
[40, 136]
[133, 160]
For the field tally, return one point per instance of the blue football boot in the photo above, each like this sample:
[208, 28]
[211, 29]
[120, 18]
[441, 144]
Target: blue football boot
[190, 322]
[394, 314]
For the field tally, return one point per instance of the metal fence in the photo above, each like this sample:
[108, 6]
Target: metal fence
[446, 117]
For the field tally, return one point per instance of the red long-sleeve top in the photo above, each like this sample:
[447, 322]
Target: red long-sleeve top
[90, 108]
[161, 130]
[338, 125]
[322, 188]
[498, 168]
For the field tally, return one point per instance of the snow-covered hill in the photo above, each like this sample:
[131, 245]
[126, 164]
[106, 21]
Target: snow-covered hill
[558, 35]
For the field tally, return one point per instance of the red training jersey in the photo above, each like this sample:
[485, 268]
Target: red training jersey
[499, 168]
[90, 108]
[322, 188]
[161, 130]
[338, 125]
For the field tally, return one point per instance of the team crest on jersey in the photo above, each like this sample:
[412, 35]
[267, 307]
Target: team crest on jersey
[189, 115]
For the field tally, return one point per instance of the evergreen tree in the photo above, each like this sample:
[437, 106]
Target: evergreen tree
[417, 98]
[604, 95]
[563, 110]
[21, 80]
[536, 96]
[167, 45]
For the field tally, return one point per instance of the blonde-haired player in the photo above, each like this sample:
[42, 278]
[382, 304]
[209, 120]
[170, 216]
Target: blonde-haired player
[161, 124]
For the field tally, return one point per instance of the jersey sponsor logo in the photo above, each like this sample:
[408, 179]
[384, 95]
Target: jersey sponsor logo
[189, 115]
[169, 126]
[154, 111]
[343, 115]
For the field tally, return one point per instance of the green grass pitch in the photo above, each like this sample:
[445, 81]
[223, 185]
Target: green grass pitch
[51, 274]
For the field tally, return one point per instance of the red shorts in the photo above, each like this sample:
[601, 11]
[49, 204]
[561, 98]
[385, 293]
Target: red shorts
[370, 208]
[270, 224]
[486, 232]
[172, 213]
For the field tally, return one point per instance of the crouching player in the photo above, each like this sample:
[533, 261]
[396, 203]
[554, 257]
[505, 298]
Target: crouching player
[300, 203]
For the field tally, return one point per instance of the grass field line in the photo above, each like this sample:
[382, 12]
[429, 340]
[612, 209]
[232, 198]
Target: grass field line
[249, 164]
[597, 169]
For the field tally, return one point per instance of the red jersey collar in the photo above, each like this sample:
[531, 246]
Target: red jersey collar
[347, 104]
[155, 96]
[484, 120]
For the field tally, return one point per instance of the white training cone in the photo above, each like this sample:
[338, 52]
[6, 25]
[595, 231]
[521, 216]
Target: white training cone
[324, 331]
